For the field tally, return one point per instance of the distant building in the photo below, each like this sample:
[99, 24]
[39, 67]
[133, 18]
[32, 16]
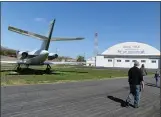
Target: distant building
[123, 55]
[90, 61]
[71, 60]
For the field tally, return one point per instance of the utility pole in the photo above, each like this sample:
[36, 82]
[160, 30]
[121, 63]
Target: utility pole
[56, 50]
[84, 55]
[95, 46]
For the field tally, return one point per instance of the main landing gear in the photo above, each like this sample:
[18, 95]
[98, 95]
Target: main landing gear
[27, 66]
[18, 67]
[48, 69]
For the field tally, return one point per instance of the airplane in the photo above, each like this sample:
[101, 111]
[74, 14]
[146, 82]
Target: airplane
[39, 57]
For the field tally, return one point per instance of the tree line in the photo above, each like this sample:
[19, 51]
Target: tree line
[8, 53]
[12, 53]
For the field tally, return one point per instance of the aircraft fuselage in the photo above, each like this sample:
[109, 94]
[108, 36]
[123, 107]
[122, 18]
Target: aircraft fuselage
[34, 57]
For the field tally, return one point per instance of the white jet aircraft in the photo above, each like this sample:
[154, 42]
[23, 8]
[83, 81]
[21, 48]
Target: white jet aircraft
[38, 57]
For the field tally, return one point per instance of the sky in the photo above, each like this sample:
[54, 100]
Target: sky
[115, 22]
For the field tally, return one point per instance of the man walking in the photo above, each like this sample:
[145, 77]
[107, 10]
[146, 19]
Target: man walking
[143, 70]
[135, 79]
[156, 76]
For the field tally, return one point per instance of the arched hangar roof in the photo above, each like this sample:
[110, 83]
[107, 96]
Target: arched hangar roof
[131, 48]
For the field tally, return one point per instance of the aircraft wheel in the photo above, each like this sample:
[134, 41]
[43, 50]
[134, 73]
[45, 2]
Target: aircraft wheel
[48, 71]
[27, 66]
[18, 68]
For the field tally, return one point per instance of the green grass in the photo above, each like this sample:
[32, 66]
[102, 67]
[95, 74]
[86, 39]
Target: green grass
[62, 74]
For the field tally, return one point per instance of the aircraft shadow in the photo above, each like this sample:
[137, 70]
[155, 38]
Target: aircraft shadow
[122, 102]
[6, 70]
[152, 85]
[73, 71]
[29, 71]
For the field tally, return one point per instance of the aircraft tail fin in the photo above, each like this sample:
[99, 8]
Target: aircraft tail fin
[46, 39]
[46, 42]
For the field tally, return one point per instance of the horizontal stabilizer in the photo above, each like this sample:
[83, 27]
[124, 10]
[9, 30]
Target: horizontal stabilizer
[66, 39]
[41, 37]
[23, 32]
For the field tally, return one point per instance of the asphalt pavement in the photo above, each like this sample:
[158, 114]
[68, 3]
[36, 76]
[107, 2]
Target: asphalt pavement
[99, 98]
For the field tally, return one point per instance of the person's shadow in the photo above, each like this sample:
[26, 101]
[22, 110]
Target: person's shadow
[152, 85]
[123, 103]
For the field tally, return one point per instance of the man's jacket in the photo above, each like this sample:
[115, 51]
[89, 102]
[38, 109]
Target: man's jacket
[135, 76]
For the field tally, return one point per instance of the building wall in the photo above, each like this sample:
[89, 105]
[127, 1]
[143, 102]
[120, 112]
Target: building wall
[126, 53]
[100, 61]
[126, 62]
[90, 63]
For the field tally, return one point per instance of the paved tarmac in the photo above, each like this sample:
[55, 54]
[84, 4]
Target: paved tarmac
[101, 98]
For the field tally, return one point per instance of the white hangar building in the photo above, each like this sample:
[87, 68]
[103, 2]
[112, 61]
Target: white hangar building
[123, 55]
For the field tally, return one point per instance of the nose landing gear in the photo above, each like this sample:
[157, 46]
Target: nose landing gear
[48, 69]
[18, 68]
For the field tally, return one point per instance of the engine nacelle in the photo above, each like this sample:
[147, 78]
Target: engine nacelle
[52, 56]
[24, 55]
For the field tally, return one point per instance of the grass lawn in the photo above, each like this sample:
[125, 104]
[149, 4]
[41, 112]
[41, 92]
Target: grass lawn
[61, 74]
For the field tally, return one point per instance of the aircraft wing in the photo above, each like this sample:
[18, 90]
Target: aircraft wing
[65, 39]
[11, 62]
[45, 63]
[27, 33]
[62, 63]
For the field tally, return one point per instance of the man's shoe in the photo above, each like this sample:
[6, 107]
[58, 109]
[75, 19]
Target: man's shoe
[136, 106]
[127, 104]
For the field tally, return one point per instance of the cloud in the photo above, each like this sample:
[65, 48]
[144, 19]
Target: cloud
[38, 19]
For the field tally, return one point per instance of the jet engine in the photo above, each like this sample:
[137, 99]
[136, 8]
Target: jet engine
[52, 56]
[24, 55]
